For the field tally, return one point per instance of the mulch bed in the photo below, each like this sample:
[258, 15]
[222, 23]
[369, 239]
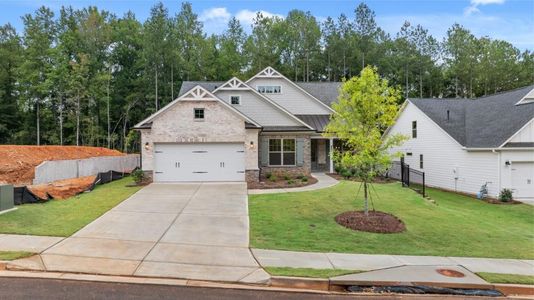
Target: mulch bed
[376, 180]
[499, 202]
[376, 221]
[280, 184]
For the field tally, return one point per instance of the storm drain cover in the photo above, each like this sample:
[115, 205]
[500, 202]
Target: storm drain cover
[450, 273]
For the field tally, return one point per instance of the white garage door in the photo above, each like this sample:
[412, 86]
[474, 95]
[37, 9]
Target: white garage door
[199, 162]
[523, 179]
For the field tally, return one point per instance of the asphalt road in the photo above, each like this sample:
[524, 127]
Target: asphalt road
[32, 288]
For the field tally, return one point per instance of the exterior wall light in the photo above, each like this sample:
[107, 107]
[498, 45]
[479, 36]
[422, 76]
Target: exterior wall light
[507, 163]
[147, 146]
[251, 146]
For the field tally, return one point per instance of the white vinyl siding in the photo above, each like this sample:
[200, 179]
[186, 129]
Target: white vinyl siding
[444, 158]
[526, 134]
[292, 98]
[259, 109]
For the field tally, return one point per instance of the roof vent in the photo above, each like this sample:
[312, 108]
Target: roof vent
[448, 114]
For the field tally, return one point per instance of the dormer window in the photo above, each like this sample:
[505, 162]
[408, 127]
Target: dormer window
[235, 100]
[269, 89]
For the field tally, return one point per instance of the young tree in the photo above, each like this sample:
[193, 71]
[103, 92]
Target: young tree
[366, 107]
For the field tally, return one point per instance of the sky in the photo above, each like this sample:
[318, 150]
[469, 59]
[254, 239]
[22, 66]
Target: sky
[510, 20]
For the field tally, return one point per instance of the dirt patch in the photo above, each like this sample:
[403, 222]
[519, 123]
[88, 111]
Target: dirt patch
[280, 184]
[17, 163]
[376, 221]
[62, 189]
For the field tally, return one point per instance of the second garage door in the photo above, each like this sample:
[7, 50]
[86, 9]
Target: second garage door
[523, 179]
[199, 162]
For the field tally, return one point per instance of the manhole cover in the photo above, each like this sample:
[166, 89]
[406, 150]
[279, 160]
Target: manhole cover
[450, 273]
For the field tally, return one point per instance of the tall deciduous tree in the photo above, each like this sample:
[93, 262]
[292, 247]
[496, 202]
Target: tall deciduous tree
[366, 106]
[10, 54]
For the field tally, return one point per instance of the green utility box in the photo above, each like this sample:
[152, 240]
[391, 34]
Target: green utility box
[6, 197]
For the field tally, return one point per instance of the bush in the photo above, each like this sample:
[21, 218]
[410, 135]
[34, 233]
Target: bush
[273, 178]
[346, 173]
[268, 175]
[286, 177]
[290, 181]
[138, 175]
[300, 176]
[304, 179]
[505, 195]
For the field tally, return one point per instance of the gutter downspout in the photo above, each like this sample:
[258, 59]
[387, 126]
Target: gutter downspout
[498, 170]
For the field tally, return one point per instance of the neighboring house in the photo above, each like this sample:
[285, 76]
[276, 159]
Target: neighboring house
[235, 130]
[461, 144]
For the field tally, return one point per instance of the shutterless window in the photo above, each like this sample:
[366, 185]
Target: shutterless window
[235, 100]
[269, 89]
[199, 113]
[420, 161]
[282, 152]
[414, 129]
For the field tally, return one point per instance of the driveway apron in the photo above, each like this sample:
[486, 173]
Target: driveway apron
[188, 230]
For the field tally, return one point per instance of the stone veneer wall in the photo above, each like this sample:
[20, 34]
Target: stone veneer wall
[292, 171]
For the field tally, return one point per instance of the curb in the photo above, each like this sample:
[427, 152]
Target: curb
[515, 289]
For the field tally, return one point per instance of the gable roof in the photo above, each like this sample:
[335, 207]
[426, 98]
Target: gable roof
[326, 92]
[236, 84]
[269, 72]
[486, 122]
[197, 93]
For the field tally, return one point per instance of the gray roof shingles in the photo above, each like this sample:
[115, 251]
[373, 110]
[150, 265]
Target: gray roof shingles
[485, 122]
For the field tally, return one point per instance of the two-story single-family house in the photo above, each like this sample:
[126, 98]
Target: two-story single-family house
[239, 130]
[462, 144]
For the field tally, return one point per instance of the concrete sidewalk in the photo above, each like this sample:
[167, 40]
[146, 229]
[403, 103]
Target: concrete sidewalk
[323, 181]
[368, 262]
[27, 243]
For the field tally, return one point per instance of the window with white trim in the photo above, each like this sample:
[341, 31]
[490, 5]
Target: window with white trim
[269, 89]
[420, 161]
[235, 100]
[282, 152]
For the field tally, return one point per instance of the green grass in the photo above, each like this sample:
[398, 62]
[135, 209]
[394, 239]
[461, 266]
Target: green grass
[12, 255]
[306, 272]
[507, 278]
[456, 226]
[65, 217]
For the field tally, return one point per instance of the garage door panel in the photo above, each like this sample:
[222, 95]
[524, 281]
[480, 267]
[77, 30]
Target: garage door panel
[199, 162]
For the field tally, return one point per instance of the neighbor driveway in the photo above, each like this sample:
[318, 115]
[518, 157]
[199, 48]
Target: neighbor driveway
[189, 230]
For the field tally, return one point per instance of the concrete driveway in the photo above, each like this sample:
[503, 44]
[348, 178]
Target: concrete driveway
[191, 230]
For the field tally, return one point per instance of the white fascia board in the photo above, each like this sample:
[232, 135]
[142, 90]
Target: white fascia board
[184, 98]
[516, 133]
[294, 84]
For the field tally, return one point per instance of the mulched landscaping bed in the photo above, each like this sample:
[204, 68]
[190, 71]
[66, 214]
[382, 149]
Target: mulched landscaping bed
[280, 184]
[499, 202]
[376, 221]
[376, 180]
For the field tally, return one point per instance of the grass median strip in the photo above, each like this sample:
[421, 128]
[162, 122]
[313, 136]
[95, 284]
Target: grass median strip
[12, 255]
[507, 278]
[456, 226]
[307, 272]
[65, 217]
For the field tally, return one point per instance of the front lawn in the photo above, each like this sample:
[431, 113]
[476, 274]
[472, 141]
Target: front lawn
[65, 217]
[456, 226]
[507, 278]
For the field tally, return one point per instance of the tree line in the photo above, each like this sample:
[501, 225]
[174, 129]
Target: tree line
[86, 76]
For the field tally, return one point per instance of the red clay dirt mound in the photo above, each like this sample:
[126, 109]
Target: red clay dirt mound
[62, 189]
[17, 163]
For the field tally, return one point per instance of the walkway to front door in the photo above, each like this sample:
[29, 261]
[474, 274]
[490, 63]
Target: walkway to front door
[189, 230]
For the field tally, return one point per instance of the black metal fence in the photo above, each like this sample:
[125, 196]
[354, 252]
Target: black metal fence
[409, 177]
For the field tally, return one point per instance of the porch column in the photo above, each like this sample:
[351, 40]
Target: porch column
[331, 154]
